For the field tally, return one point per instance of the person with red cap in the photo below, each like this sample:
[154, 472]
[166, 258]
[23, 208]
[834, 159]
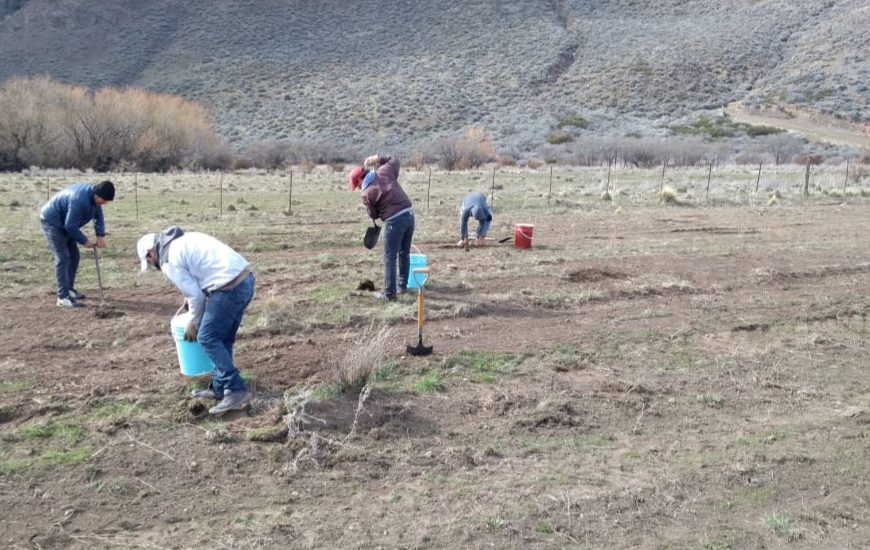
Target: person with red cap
[384, 198]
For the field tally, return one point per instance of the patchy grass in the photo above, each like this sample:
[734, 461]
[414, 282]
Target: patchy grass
[69, 431]
[783, 526]
[483, 366]
[430, 383]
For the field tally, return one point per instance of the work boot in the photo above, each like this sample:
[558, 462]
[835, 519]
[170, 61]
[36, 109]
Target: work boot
[76, 295]
[207, 393]
[381, 297]
[68, 303]
[232, 401]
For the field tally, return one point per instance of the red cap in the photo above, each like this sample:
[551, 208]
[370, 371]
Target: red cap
[354, 179]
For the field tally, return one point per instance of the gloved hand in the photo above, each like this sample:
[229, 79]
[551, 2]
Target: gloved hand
[191, 332]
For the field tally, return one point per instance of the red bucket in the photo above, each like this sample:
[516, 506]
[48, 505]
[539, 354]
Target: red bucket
[523, 235]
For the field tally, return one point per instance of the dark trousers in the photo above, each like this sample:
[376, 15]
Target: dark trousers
[66, 257]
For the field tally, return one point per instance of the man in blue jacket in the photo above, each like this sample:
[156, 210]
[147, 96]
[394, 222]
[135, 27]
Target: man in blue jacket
[62, 218]
[474, 206]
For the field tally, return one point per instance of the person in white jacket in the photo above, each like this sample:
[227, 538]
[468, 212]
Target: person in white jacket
[218, 285]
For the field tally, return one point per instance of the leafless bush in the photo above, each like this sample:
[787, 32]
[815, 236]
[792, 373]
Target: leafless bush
[781, 147]
[352, 365]
[46, 123]
[474, 148]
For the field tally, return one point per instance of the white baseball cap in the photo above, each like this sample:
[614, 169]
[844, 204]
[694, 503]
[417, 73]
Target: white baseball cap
[145, 244]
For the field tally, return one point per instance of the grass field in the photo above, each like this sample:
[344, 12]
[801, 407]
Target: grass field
[684, 374]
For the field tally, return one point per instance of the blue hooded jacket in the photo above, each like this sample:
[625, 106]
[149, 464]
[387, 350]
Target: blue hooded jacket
[73, 208]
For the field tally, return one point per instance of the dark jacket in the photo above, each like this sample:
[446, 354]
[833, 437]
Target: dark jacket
[73, 208]
[384, 197]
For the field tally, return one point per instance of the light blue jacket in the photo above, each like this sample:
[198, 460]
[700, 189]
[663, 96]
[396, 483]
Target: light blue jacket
[73, 208]
[474, 206]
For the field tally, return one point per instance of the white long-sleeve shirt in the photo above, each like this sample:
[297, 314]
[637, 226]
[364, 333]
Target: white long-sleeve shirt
[196, 263]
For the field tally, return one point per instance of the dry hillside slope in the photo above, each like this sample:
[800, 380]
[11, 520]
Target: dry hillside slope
[399, 72]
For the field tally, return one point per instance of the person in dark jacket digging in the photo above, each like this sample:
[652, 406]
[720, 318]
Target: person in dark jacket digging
[218, 285]
[62, 218]
[474, 206]
[384, 198]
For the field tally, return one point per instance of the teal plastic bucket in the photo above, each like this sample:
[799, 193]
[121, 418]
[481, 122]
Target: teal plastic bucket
[417, 261]
[191, 357]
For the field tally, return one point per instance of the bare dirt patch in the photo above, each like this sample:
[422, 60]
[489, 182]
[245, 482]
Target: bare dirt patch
[658, 389]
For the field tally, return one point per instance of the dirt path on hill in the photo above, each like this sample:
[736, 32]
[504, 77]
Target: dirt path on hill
[813, 126]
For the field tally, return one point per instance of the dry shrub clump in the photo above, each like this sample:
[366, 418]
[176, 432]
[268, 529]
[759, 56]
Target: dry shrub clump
[473, 149]
[353, 365]
[50, 124]
[668, 195]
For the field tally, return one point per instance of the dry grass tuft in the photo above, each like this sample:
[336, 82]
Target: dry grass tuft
[353, 365]
[276, 317]
[668, 195]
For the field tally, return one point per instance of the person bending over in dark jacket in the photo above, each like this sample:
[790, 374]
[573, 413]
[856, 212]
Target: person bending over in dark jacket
[62, 218]
[384, 198]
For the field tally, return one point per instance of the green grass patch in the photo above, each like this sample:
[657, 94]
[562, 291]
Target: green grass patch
[66, 458]
[766, 438]
[783, 526]
[710, 400]
[384, 373]
[484, 366]
[69, 431]
[494, 522]
[15, 467]
[7, 412]
[14, 386]
[430, 383]
[544, 528]
[325, 393]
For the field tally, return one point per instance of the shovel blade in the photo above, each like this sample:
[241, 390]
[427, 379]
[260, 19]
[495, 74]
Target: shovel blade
[419, 350]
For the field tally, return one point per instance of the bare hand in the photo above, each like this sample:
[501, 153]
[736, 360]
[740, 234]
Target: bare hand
[191, 332]
[371, 162]
[89, 244]
[101, 242]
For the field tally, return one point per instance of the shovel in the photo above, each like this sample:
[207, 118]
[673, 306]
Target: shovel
[419, 350]
[99, 278]
[103, 311]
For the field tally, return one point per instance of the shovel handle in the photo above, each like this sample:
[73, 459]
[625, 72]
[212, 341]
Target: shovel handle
[99, 277]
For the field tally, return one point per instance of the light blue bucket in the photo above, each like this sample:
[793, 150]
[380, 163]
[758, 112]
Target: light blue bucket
[418, 260]
[191, 357]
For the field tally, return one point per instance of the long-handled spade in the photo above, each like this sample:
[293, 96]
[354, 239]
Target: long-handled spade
[103, 311]
[420, 349]
[99, 278]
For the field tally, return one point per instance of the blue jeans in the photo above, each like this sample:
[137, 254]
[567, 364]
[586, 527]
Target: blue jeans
[398, 233]
[66, 257]
[217, 334]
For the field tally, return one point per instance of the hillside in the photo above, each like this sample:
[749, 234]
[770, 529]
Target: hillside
[399, 72]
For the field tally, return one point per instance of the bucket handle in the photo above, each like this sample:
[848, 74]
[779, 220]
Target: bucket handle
[424, 271]
[415, 249]
[177, 313]
[521, 229]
